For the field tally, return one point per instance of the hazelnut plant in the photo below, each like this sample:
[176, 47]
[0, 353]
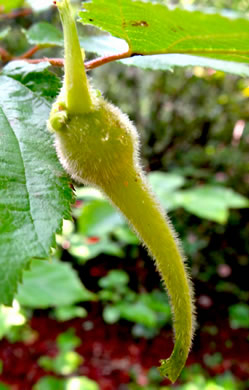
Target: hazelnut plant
[97, 144]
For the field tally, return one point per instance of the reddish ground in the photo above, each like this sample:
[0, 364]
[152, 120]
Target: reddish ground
[110, 352]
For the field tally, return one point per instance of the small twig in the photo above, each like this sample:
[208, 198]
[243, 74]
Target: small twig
[88, 65]
[104, 60]
[15, 14]
[59, 62]
[28, 53]
[6, 56]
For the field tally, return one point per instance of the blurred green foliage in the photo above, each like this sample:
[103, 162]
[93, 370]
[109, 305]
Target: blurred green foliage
[239, 316]
[195, 379]
[67, 360]
[150, 311]
[74, 383]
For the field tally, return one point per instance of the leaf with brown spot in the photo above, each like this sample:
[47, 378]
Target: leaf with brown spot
[168, 31]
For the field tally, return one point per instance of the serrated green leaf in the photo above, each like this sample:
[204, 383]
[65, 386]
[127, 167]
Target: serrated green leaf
[44, 34]
[155, 29]
[9, 5]
[34, 192]
[51, 284]
[36, 77]
[211, 202]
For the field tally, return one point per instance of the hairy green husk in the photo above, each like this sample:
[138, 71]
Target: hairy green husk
[98, 145]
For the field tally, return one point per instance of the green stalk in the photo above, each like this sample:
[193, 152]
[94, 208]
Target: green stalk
[76, 88]
[135, 200]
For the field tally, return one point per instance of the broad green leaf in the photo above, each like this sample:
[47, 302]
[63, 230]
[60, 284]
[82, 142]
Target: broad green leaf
[211, 202]
[4, 32]
[154, 29]
[51, 284]
[35, 77]
[74, 383]
[99, 218]
[104, 45]
[44, 34]
[9, 5]
[34, 191]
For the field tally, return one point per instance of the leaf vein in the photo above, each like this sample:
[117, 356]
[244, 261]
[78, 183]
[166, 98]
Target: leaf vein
[26, 180]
